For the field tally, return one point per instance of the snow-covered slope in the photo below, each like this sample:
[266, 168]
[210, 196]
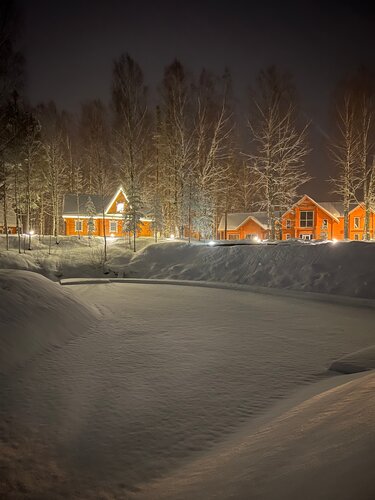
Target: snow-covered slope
[36, 314]
[340, 268]
[321, 448]
[358, 361]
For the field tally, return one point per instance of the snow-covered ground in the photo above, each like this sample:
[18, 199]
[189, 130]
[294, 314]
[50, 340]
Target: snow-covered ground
[163, 396]
[341, 268]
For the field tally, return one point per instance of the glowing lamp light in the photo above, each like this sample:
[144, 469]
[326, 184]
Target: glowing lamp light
[211, 243]
[112, 236]
[171, 237]
[257, 239]
[31, 232]
[334, 240]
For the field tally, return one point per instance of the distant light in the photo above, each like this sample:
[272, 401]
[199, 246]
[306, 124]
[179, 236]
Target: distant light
[31, 232]
[334, 240]
[212, 243]
[171, 237]
[112, 236]
[256, 238]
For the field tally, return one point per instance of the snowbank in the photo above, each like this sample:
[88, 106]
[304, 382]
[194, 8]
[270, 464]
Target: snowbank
[321, 448]
[343, 268]
[36, 314]
[359, 361]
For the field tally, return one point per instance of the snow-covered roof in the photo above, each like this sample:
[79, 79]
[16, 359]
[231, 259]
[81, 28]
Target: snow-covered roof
[11, 218]
[76, 205]
[236, 220]
[332, 208]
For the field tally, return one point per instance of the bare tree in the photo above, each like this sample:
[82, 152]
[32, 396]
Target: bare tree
[131, 129]
[280, 145]
[345, 152]
[97, 170]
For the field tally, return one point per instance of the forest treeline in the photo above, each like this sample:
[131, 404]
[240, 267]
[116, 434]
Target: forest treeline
[182, 162]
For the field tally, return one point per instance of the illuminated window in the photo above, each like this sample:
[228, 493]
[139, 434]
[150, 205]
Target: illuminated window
[113, 226]
[288, 223]
[325, 224]
[233, 236]
[306, 218]
[287, 236]
[78, 226]
[120, 207]
[357, 222]
[250, 236]
[356, 237]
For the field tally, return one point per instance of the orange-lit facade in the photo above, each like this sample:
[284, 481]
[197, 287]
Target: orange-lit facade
[244, 226]
[312, 220]
[107, 218]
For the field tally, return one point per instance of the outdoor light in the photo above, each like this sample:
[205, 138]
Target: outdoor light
[112, 236]
[30, 233]
[171, 237]
[257, 239]
[334, 240]
[211, 243]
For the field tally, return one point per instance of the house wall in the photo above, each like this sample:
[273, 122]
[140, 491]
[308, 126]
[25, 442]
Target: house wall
[358, 232]
[145, 230]
[250, 227]
[11, 229]
[317, 230]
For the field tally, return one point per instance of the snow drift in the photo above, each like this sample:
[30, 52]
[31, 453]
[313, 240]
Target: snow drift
[36, 314]
[321, 448]
[344, 268]
[358, 361]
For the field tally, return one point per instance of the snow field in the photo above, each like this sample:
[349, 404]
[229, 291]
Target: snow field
[169, 373]
[36, 314]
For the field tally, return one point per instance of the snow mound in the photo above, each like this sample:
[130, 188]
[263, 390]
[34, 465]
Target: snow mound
[36, 314]
[343, 268]
[359, 361]
[321, 448]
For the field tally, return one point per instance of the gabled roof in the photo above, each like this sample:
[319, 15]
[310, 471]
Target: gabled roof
[236, 220]
[76, 205]
[362, 205]
[11, 218]
[331, 208]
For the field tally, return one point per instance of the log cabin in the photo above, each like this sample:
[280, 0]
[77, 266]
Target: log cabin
[311, 220]
[107, 216]
[11, 223]
[246, 225]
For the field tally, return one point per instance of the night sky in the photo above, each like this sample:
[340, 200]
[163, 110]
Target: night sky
[70, 46]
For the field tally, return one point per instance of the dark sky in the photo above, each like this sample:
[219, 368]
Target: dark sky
[70, 46]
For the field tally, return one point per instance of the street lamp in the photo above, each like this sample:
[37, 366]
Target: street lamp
[30, 233]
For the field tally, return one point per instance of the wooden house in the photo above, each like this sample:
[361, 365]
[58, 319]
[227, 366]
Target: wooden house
[11, 223]
[241, 226]
[107, 216]
[312, 220]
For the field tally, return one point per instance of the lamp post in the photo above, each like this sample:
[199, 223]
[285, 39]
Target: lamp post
[31, 232]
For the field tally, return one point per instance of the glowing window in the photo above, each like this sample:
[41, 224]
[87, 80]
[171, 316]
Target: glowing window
[306, 218]
[356, 222]
[78, 226]
[120, 207]
[113, 226]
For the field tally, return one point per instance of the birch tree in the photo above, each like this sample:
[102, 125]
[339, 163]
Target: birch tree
[131, 134]
[345, 152]
[279, 145]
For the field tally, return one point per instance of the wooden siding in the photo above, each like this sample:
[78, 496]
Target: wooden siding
[70, 230]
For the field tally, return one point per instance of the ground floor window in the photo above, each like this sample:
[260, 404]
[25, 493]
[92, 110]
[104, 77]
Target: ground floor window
[78, 226]
[287, 236]
[233, 236]
[356, 237]
[113, 226]
[325, 224]
[251, 236]
[306, 236]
